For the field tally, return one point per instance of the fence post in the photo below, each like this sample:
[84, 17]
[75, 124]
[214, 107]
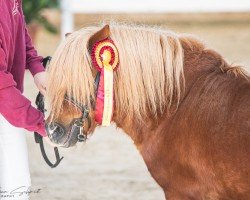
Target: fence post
[67, 18]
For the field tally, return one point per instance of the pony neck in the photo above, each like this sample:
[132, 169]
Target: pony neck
[138, 131]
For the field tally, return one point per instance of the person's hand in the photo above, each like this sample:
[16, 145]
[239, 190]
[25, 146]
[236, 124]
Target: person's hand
[40, 81]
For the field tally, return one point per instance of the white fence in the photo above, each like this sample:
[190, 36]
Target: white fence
[70, 7]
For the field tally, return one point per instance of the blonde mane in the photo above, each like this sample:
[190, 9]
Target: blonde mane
[149, 76]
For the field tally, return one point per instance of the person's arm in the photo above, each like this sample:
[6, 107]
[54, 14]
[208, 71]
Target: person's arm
[33, 61]
[34, 64]
[14, 106]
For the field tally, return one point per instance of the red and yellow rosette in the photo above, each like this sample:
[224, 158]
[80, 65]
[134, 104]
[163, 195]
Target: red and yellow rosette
[105, 59]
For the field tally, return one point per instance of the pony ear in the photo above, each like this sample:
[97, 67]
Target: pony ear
[100, 35]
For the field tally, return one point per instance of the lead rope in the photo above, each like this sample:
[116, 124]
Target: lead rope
[39, 138]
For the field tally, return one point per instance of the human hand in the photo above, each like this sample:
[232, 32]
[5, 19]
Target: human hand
[40, 81]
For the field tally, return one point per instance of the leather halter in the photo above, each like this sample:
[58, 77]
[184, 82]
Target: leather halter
[79, 123]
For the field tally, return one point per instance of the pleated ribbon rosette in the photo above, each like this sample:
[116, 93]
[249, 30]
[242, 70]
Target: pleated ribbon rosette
[105, 59]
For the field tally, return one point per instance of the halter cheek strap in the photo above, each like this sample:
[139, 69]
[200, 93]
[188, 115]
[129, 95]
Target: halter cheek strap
[105, 59]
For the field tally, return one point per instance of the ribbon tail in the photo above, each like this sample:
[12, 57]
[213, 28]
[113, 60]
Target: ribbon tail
[108, 95]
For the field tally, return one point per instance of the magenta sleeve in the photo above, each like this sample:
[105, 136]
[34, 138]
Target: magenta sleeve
[33, 61]
[14, 106]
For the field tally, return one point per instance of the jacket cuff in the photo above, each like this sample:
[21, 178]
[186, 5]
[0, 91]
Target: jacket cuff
[41, 131]
[36, 67]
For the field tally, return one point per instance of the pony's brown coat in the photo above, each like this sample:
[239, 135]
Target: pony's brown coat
[198, 148]
[202, 150]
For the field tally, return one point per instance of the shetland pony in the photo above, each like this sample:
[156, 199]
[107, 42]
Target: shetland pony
[186, 109]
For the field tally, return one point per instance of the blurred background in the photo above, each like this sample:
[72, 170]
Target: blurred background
[108, 166]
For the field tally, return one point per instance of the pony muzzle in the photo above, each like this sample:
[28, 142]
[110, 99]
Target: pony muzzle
[61, 135]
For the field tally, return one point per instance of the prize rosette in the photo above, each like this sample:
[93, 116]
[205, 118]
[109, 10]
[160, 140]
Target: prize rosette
[105, 59]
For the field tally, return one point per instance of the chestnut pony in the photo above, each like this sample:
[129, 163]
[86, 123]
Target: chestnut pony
[186, 109]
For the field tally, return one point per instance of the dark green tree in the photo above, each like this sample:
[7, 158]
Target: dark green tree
[33, 12]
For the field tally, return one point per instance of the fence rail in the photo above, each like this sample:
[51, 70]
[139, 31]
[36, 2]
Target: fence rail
[70, 7]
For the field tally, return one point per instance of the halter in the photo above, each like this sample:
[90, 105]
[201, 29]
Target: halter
[79, 123]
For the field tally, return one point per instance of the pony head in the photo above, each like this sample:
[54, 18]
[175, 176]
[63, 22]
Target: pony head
[149, 78]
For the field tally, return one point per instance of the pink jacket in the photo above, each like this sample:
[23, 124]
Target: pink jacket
[16, 54]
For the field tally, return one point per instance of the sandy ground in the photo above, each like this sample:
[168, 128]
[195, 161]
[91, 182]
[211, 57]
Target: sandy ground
[108, 166]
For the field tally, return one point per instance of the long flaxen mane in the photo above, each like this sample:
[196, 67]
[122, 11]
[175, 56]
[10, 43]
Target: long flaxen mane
[149, 77]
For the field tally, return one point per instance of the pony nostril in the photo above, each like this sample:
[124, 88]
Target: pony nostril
[52, 128]
[56, 132]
